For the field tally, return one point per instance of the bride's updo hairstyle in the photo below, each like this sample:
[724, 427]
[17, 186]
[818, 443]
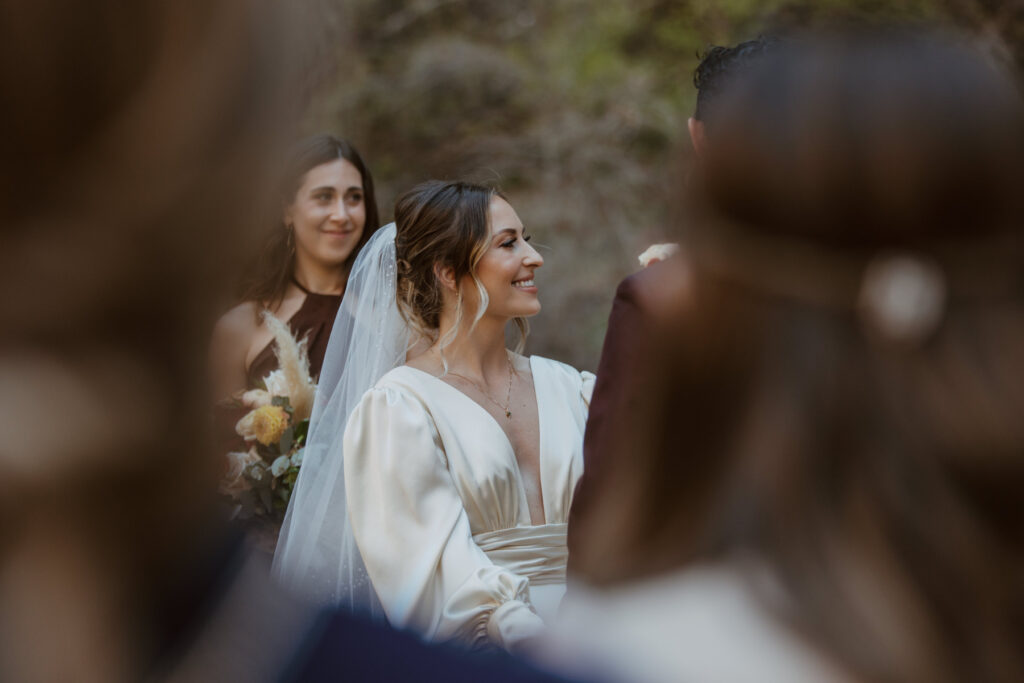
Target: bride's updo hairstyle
[441, 224]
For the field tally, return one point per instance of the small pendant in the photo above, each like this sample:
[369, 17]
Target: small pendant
[508, 413]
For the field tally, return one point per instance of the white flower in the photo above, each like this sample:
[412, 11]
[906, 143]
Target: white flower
[234, 481]
[297, 457]
[280, 465]
[277, 384]
[256, 398]
[657, 252]
[255, 471]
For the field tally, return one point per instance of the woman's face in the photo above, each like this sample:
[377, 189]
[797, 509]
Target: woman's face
[328, 213]
[506, 268]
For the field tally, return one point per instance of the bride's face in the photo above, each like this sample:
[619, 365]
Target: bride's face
[506, 268]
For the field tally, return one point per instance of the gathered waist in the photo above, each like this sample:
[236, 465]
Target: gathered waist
[536, 552]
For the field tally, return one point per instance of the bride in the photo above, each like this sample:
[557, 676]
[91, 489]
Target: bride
[445, 505]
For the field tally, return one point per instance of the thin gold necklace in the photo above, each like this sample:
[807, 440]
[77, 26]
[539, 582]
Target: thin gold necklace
[508, 397]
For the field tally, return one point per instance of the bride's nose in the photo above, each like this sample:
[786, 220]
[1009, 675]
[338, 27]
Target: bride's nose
[532, 257]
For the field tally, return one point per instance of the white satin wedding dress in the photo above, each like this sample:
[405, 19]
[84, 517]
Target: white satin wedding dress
[439, 512]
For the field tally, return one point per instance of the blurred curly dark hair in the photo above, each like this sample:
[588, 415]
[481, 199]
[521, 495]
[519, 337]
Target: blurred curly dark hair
[718, 65]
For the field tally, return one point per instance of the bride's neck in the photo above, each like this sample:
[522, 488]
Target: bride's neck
[479, 353]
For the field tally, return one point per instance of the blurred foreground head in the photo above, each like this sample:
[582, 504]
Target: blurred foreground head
[134, 136]
[851, 360]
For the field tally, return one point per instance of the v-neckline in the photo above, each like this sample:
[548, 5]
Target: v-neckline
[508, 441]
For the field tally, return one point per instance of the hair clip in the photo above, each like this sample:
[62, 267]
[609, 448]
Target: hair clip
[902, 297]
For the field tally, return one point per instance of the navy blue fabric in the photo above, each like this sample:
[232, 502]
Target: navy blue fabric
[347, 648]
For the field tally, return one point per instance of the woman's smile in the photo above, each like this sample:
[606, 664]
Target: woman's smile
[526, 285]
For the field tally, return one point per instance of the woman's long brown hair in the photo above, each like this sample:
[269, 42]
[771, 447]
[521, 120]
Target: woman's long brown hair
[878, 481]
[270, 274]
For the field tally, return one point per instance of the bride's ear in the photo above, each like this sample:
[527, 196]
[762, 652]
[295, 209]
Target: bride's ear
[446, 276]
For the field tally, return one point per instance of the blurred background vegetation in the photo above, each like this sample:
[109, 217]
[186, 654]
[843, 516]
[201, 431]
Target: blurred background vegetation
[576, 109]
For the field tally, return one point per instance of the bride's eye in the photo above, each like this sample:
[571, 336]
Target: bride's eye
[509, 244]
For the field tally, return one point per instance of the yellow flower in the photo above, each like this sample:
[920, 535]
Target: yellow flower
[266, 424]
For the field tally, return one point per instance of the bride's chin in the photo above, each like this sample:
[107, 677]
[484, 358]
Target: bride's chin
[512, 312]
[523, 314]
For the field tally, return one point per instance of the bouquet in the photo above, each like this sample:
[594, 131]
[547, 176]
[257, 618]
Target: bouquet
[259, 481]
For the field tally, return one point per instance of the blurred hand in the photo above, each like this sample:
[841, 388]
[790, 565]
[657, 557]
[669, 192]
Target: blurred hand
[658, 252]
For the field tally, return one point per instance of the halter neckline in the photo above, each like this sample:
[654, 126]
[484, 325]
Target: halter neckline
[309, 293]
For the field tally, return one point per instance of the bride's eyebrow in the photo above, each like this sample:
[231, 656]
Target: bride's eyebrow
[505, 231]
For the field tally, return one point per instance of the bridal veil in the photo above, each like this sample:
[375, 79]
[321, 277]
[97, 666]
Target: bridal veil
[316, 553]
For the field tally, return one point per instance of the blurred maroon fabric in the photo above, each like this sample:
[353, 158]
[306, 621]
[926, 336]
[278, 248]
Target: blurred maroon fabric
[630, 408]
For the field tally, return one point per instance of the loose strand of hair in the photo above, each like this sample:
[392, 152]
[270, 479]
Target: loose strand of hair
[481, 308]
[451, 334]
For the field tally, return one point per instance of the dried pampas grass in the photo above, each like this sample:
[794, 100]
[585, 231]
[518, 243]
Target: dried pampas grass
[292, 378]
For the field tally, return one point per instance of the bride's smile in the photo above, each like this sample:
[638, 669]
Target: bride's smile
[527, 285]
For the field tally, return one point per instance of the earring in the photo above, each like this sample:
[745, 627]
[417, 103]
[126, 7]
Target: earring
[290, 238]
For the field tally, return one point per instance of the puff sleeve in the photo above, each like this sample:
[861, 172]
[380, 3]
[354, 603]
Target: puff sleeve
[587, 381]
[414, 534]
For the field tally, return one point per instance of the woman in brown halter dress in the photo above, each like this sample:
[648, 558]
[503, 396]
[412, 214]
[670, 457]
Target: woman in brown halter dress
[328, 213]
